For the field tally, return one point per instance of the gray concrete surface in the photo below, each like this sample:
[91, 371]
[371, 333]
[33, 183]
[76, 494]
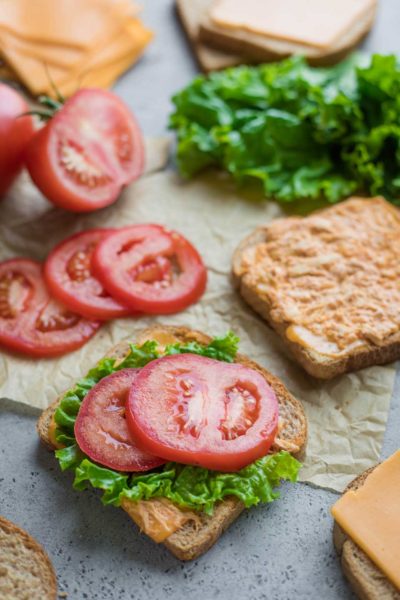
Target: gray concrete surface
[282, 551]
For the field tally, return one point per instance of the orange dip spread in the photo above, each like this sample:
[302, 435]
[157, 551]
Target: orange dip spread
[332, 279]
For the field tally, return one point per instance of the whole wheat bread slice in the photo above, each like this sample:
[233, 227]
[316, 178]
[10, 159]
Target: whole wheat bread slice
[259, 48]
[26, 572]
[314, 362]
[367, 581]
[196, 536]
[191, 13]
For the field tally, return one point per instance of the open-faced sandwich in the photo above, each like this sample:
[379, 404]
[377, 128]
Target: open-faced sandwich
[329, 284]
[366, 533]
[180, 431]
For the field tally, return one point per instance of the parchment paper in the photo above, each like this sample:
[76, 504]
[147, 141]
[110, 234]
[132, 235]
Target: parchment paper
[347, 416]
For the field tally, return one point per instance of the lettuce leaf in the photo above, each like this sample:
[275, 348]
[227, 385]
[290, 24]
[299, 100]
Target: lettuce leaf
[300, 133]
[191, 487]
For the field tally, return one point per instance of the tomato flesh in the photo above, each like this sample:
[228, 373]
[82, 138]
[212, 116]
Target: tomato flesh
[15, 134]
[150, 269]
[87, 152]
[68, 274]
[101, 429]
[195, 410]
[30, 320]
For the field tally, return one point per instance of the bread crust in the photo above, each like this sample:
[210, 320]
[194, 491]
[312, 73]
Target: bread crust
[193, 539]
[43, 570]
[259, 48]
[316, 364]
[365, 578]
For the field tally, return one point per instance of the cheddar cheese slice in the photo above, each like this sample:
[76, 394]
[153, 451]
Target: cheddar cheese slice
[371, 517]
[119, 53]
[74, 23]
[319, 23]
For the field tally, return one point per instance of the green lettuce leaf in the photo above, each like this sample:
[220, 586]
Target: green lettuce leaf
[301, 133]
[193, 487]
[188, 486]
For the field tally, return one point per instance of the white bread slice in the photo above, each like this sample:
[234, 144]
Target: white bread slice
[261, 48]
[196, 536]
[26, 572]
[190, 13]
[367, 581]
[315, 363]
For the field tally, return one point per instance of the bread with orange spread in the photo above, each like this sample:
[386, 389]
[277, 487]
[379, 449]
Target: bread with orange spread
[329, 284]
[185, 533]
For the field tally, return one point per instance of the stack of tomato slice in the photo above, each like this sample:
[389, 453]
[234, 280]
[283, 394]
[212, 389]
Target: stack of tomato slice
[185, 408]
[94, 276]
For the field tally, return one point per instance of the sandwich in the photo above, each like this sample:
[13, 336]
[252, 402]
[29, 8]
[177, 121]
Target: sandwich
[366, 531]
[323, 32]
[204, 431]
[26, 572]
[328, 284]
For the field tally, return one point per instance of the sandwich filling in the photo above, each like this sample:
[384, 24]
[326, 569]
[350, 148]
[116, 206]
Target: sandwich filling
[192, 489]
[317, 23]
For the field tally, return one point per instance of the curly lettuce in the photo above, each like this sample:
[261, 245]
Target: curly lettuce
[301, 133]
[187, 486]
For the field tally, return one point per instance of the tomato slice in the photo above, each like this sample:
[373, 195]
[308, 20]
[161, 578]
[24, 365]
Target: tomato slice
[15, 134]
[101, 429]
[30, 320]
[199, 411]
[150, 269]
[87, 152]
[68, 274]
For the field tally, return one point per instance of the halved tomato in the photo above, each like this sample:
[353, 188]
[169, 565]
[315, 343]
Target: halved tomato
[195, 410]
[68, 274]
[15, 133]
[150, 269]
[30, 320]
[87, 152]
[101, 430]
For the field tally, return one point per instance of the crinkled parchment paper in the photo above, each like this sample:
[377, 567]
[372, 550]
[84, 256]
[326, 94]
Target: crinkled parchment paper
[347, 416]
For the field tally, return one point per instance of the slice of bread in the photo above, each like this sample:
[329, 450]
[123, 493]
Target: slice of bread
[318, 364]
[191, 13]
[261, 48]
[196, 536]
[26, 572]
[367, 581]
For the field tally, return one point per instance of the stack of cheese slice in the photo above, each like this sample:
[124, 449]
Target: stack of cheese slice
[69, 44]
[227, 32]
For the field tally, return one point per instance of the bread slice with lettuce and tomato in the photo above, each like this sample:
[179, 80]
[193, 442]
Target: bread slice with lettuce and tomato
[183, 506]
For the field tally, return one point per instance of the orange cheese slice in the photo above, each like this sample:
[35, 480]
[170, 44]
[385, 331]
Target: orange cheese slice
[74, 23]
[371, 517]
[318, 23]
[120, 52]
[56, 54]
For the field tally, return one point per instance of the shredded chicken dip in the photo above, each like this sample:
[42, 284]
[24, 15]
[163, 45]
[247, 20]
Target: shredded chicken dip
[333, 278]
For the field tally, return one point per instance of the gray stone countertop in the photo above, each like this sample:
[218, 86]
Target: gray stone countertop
[281, 551]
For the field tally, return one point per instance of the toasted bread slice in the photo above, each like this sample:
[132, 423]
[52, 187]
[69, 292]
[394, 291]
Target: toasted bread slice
[317, 363]
[198, 534]
[257, 47]
[367, 581]
[26, 572]
[190, 13]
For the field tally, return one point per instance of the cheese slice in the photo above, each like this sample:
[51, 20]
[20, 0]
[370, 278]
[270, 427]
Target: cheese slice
[371, 517]
[74, 23]
[319, 23]
[119, 53]
[58, 54]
